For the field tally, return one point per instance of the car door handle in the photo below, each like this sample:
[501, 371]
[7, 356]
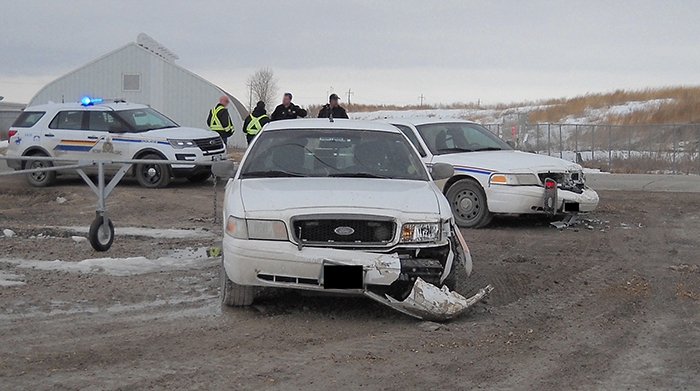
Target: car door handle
[48, 135]
[93, 137]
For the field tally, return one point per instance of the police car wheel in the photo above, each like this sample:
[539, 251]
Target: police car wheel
[468, 201]
[101, 236]
[232, 294]
[40, 179]
[201, 177]
[152, 175]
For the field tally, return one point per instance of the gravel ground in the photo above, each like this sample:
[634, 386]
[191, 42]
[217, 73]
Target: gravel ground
[613, 303]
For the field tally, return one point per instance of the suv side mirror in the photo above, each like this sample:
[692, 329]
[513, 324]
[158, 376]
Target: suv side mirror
[442, 171]
[224, 169]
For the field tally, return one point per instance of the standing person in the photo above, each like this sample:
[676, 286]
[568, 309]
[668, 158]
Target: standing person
[255, 121]
[332, 109]
[219, 119]
[287, 110]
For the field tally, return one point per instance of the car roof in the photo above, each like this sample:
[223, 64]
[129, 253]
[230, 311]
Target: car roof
[115, 105]
[427, 120]
[325, 123]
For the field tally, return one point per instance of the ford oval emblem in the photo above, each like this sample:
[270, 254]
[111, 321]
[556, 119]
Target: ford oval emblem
[212, 142]
[344, 231]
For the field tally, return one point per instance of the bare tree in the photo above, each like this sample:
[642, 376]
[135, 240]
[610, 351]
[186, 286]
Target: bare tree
[263, 87]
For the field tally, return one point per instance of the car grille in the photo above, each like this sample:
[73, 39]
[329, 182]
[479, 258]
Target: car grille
[210, 145]
[344, 231]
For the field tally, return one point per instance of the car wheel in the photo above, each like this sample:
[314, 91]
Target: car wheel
[468, 202]
[201, 177]
[101, 237]
[40, 179]
[232, 294]
[153, 175]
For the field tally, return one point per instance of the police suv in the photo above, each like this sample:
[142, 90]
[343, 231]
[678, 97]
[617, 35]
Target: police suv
[116, 130]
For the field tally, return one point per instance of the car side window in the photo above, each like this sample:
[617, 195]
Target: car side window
[412, 137]
[70, 120]
[104, 121]
[28, 119]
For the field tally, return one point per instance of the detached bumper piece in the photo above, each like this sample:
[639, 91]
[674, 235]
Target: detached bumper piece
[428, 302]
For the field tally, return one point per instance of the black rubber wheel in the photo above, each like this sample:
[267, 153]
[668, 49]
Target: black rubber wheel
[201, 177]
[152, 175]
[101, 239]
[232, 294]
[468, 202]
[40, 179]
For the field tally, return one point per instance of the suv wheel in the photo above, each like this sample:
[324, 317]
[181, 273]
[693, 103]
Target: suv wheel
[468, 202]
[152, 175]
[232, 294]
[40, 179]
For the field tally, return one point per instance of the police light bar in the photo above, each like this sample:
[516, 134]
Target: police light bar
[87, 101]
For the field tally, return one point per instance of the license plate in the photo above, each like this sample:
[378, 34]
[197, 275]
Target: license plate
[342, 276]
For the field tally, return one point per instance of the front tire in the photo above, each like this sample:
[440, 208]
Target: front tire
[152, 175]
[468, 201]
[40, 179]
[232, 294]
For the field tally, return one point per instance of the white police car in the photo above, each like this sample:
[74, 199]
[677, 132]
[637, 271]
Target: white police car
[116, 130]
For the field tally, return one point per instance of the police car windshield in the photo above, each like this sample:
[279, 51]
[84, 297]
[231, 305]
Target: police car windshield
[446, 138]
[333, 153]
[142, 120]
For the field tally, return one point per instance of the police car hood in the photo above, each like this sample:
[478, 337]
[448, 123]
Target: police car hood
[180, 133]
[349, 194]
[487, 162]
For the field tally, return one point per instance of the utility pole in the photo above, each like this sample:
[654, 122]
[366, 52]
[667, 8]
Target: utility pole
[348, 94]
[250, 97]
[422, 98]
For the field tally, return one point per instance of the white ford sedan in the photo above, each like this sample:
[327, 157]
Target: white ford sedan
[492, 178]
[343, 207]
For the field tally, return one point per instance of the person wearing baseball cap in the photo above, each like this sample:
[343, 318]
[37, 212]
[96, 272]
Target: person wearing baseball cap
[332, 109]
[287, 110]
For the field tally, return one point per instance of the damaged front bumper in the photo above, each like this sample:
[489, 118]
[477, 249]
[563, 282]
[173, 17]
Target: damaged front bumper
[428, 302]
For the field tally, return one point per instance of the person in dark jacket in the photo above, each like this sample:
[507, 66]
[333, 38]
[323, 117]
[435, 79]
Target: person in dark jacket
[255, 121]
[219, 120]
[332, 107]
[287, 110]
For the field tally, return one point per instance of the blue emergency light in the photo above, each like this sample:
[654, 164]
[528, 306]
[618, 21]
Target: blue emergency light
[87, 101]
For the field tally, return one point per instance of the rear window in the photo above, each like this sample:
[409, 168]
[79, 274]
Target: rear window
[28, 119]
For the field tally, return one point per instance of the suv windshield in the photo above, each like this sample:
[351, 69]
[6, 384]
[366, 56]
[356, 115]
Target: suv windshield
[333, 153]
[446, 138]
[142, 120]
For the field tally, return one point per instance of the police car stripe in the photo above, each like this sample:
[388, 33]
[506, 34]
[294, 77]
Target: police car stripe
[475, 170]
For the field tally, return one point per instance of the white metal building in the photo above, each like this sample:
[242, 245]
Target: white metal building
[145, 72]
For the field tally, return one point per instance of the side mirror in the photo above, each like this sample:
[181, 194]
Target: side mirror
[442, 171]
[224, 169]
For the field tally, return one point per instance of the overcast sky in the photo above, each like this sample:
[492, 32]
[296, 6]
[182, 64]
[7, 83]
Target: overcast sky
[387, 52]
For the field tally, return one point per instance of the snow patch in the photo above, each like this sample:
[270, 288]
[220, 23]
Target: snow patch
[4, 144]
[150, 232]
[188, 259]
[9, 279]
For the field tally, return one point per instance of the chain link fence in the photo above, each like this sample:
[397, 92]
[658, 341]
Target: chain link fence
[638, 149]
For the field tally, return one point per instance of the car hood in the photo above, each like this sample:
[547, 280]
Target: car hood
[179, 133]
[279, 194]
[506, 162]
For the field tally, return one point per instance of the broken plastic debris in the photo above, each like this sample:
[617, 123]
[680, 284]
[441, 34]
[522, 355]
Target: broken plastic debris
[79, 239]
[427, 301]
[8, 233]
[61, 200]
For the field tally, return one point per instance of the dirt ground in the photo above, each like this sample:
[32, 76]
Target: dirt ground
[611, 304]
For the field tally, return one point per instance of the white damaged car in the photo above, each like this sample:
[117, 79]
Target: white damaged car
[344, 207]
[492, 178]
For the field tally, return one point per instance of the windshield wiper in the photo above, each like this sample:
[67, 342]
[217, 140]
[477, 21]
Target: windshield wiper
[487, 149]
[455, 149]
[270, 174]
[356, 175]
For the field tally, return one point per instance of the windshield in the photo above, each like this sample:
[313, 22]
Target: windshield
[333, 153]
[142, 120]
[455, 137]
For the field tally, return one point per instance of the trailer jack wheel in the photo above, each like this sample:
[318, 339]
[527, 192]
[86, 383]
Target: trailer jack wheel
[101, 235]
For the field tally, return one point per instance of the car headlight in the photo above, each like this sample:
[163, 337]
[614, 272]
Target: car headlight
[514, 179]
[420, 232]
[256, 229]
[179, 144]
